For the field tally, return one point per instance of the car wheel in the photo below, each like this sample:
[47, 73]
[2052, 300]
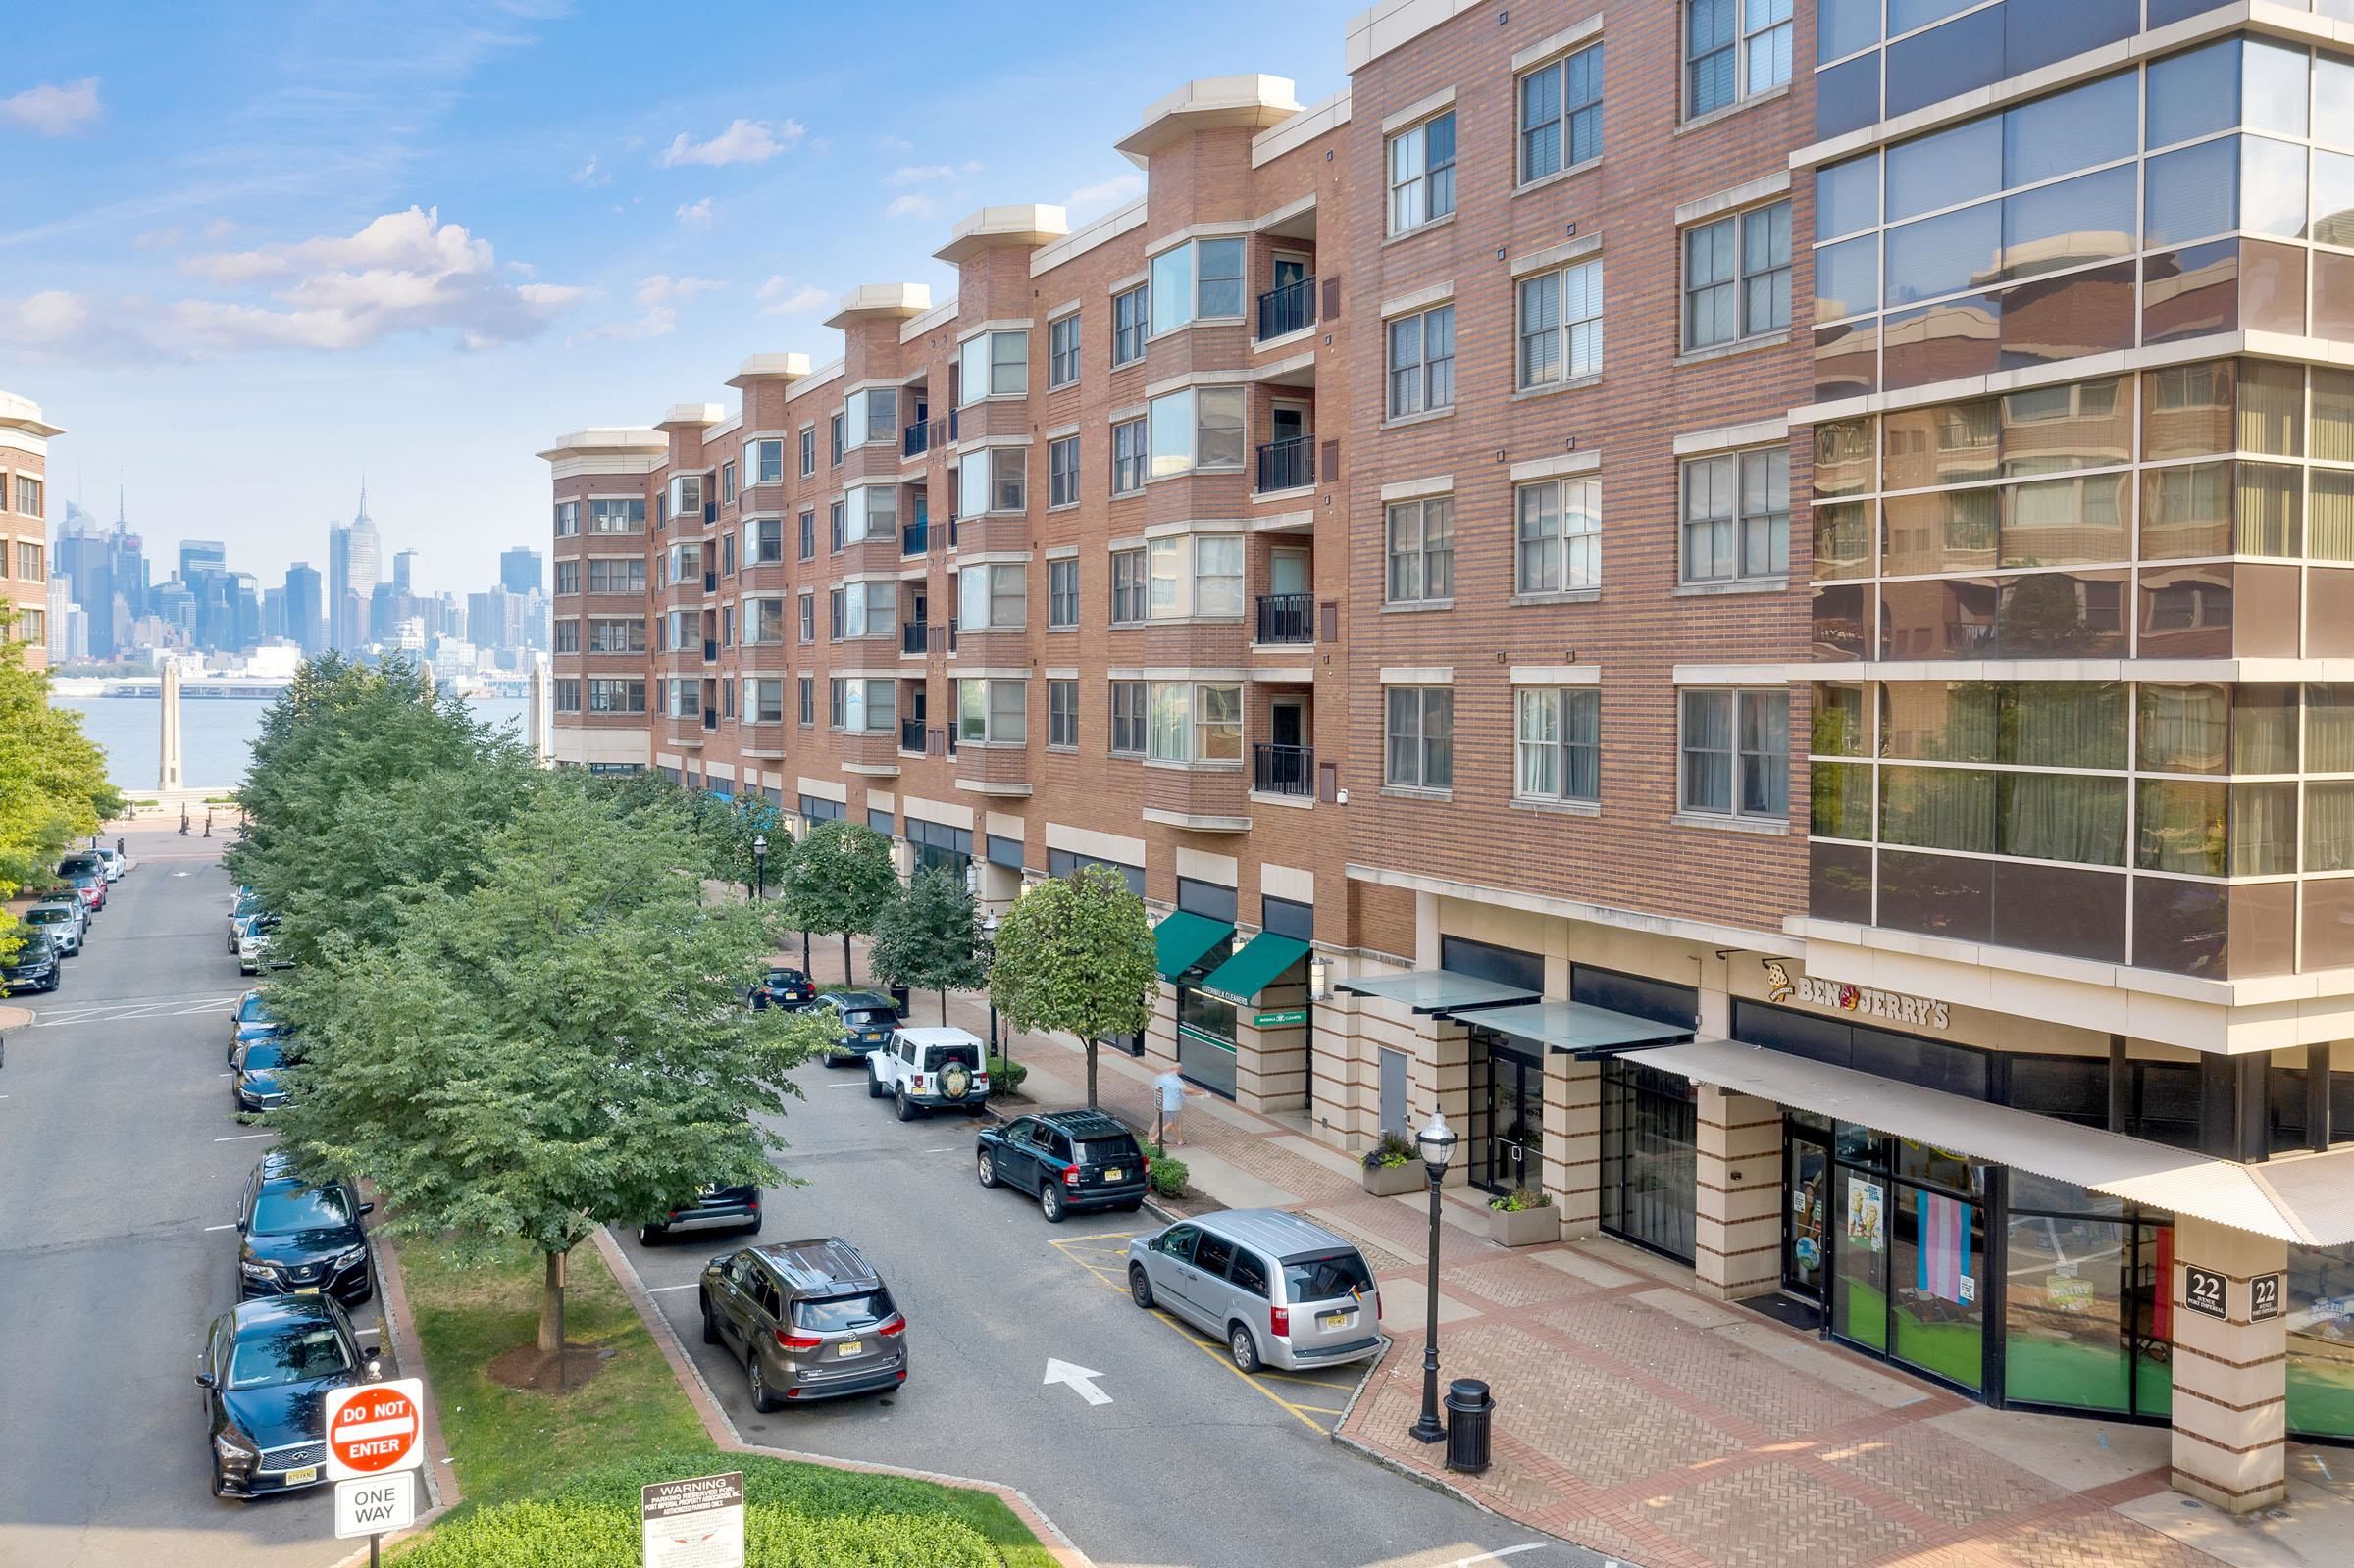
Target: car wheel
[757, 1381]
[1139, 1287]
[758, 1219]
[906, 1112]
[873, 1085]
[987, 1168]
[1243, 1348]
[710, 1323]
[1131, 1206]
[651, 1235]
[1051, 1203]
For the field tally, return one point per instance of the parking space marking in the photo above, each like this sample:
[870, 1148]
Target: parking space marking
[1104, 1256]
[657, 1290]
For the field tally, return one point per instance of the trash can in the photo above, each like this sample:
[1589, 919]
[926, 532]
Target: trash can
[898, 1001]
[1469, 1412]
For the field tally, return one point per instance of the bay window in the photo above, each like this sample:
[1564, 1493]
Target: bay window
[1197, 574]
[763, 541]
[685, 699]
[991, 598]
[764, 699]
[869, 609]
[764, 462]
[1200, 428]
[617, 517]
[1197, 281]
[993, 365]
[862, 705]
[1560, 536]
[1187, 721]
[872, 414]
[992, 712]
[1418, 724]
[871, 512]
[1559, 739]
[763, 623]
[994, 481]
[687, 497]
[1736, 754]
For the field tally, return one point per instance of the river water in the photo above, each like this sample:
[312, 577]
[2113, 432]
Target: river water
[215, 735]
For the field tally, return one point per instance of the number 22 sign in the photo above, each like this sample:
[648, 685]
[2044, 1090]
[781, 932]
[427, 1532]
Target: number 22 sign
[2203, 1290]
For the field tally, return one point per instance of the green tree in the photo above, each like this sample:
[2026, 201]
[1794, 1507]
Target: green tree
[560, 1047]
[928, 938]
[53, 787]
[837, 880]
[1076, 955]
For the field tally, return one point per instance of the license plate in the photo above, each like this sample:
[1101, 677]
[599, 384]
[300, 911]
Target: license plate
[306, 1290]
[847, 1348]
[302, 1478]
[1115, 1172]
[1336, 1320]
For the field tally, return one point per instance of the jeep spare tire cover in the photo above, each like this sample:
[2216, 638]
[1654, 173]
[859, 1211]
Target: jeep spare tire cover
[955, 1081]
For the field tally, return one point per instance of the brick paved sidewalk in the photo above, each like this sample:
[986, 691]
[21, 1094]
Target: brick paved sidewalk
[1641, 1419]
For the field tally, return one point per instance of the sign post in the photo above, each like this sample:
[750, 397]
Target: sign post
[696, 1523]
[375, 1431]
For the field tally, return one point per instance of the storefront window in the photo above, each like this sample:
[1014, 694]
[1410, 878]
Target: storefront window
[1938, 1264]
[1649, 1158]
[1860, 1283]
[2320, 1341]
[1205, 1038]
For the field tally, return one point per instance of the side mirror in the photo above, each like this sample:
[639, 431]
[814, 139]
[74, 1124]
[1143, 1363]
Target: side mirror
[367, 1208]
[204, 1380]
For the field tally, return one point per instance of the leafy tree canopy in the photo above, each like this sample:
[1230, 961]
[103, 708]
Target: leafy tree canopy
[927, 938]
[53, 787]
[837, 880]
[1076, 955]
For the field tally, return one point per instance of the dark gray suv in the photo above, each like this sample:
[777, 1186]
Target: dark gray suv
[809, 1320]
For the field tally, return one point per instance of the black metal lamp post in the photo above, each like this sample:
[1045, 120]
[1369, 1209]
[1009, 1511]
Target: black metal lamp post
[759, 866]
[989, 954]
[1436, 1142]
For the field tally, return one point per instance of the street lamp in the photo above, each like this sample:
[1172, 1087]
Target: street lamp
[759, 866]
[1436, 1142]
[989, 954]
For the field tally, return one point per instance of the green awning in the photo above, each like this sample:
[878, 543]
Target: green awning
[1249, 972]
[1437, 990]
[1575, 1029]
[1181, 938]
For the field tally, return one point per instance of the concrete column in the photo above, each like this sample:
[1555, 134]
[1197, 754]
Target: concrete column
[1574, 1142]
[536, 711]
[167, 773]
[1443, 1076]
[1738, 1237]
[2230, 1444]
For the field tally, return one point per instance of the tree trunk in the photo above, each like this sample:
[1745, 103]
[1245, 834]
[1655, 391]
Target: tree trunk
[551, 1302]
[848, 977]
[944, 1006]
[1091, 1075]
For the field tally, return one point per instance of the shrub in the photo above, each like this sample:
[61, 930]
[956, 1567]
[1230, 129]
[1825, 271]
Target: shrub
[1007, 1075]
[1390, 1152]
[1522, 1197]
[1169, 1174]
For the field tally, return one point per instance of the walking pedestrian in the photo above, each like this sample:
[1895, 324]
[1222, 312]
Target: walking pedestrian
[1168, 1092]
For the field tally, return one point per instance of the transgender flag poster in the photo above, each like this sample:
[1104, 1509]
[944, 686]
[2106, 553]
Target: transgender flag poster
[1944, 1268]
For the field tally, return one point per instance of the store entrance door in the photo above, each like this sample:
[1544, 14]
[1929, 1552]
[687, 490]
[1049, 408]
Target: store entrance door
[1513, 1156]
[1806, 1195]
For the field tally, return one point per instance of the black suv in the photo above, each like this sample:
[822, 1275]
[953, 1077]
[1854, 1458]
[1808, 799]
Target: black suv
[783, 988]
[713, 1208]
[299, 1240]
[35, 966]
[866, 1019]
[1068, 1160]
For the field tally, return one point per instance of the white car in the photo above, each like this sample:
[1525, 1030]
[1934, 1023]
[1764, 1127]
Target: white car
[253, 946]
[930, 1069]
[117, 863]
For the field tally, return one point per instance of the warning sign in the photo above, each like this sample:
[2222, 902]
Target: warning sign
[375, 1427]
[694, 1524]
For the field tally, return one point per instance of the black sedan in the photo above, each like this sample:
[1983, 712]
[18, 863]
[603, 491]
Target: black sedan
[258, 1064]
[266, 1369]
[783, 988]
[35, 967]
[300, 1239]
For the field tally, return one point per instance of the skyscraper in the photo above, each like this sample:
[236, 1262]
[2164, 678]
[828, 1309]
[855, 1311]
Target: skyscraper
[519, 569]
[404, 566]
[304, 624]
[354, 562]
[201, 556]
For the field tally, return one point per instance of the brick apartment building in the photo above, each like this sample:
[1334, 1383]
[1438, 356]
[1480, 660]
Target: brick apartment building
[23, 523]
[1376, 541]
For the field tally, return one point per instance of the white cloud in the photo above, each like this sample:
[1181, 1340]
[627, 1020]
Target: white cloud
[780, 297]
[402, 272]
[51, 109]
[159, 238]
[662, 288]
[925, 173]
[911, 205]
[744, 141]
[895, 146]
[695, 214]
[220, 228]
[588, 174]
[1104, 195]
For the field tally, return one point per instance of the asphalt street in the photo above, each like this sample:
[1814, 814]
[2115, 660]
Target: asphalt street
[121, 1163]
[1188, 1463]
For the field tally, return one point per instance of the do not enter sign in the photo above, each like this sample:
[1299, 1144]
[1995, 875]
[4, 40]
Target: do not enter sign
[375, 1427]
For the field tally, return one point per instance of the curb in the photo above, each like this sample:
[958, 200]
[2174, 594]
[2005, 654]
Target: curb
[722, 1430]
[442, 1489]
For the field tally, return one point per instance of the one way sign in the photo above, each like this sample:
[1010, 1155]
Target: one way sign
[375, 1505]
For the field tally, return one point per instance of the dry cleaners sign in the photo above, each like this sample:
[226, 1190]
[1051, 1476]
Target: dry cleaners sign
[1914, 1012]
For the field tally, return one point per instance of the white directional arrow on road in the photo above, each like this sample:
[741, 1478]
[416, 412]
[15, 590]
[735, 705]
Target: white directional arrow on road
[1079, 1378]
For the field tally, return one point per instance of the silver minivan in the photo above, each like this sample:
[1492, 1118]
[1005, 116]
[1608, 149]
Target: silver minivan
[1279, 1291]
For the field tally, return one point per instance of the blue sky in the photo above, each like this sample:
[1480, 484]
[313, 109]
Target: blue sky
[251, 250]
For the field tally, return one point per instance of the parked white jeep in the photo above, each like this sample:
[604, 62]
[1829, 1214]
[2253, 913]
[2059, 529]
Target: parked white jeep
[926, 1069]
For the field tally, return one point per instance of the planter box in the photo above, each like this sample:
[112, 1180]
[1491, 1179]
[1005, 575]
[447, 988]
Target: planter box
[1387, 1180]
[1524, 1226]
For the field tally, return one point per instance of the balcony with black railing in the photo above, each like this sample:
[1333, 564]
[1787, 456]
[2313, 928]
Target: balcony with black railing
[710, 718]
[916, 538]
[951, 633]
[1283, 770]
[1286, 465]
[915, 636]
[1286, 618]
[710, 581]
[916, 440]
[711, 650]
[1286, 309]
[911, 734]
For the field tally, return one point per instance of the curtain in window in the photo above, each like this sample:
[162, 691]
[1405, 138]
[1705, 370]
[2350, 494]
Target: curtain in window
[2264, 729]
[1581, 744]
[2065, 723]
[2329, 826]
[2269, 510]
[2330, 729]
[2184, 729]
[2058, 816]
[2264, 829]
[1540, 742]
[1938, 808]
[2272, 407]
[2330, 519]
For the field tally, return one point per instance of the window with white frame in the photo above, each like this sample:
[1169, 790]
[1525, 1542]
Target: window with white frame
[809, 617]
[993, 481]
[1422, 549]
[726, 484]
[1560, 536]
[838, 439]
[991, 597]
[686, 698]
[838, 525]
[1558, 740]
[764, 462]
[568, 694]
[808, 539]
[808, 698]
[1561, 113]
[1128, 706]
[1418, 725]
[1198, 428]
[1736, 509]
[617, 635]
[763, 623]
[1422, 163]
[763, 541]
[568, 518]
[1197, 574]
[1193, 722]
[992, 712]
[1736, 754]
[1062, 714]
[686, 562]
[1561, 325]
[1737, 276]
[994, 364]
[568, 636]
[687, 497]
[872, 513]
[1422, 360]
[681, 628]
[616, 577]
[1062, 592]
[568, 577]
[616, 694]
[1130, 580]
[1062, 350]
[1131, 320]
[872, 413]
[1131, 457]
[1197, 281]
[764, 699]
[859, 704]
[1063, 472]
[808, 450]
[869, 609]
[1734, 49]
[617, 517]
